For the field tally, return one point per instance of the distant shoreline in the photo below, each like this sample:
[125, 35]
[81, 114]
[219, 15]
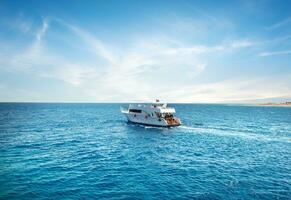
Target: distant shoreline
[285, 104]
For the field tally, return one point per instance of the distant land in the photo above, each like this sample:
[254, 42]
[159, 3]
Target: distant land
[276, 104]
[275, 101]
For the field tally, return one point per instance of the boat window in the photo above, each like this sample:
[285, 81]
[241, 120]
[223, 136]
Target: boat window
[135, 110]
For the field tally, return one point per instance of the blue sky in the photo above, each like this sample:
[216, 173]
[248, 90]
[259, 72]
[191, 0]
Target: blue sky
[120, 51]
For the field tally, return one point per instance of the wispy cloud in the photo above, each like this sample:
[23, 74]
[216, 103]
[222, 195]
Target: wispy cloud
[279, 24]
[72, 73]
[37, 60]
[97, 46]
[241, 89]
[274, 53]
[143, 65]
[41, 32]
[242, 44]
[124, 73]
[146, 68]
[31, 55]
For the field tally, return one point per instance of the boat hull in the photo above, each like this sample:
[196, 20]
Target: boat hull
[165, 126]
[148, 121]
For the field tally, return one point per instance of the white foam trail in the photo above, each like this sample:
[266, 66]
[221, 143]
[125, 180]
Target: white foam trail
[232, 133]
[146, 126]
[153, 127]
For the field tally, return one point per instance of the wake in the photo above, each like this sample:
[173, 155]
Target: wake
[234, 133]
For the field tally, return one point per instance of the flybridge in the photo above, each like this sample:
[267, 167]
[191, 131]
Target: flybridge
[167, 110]
[160, 107]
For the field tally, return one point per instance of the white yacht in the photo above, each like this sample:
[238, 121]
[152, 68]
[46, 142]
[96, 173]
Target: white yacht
[153, 114]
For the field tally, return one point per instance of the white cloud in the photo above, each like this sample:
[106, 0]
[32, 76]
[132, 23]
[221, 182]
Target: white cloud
[72, 73]
[242, 44]
[143, 69]
[274, 53]
[232, 90]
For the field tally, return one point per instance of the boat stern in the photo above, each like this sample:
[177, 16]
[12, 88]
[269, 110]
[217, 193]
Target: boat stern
[173, 122]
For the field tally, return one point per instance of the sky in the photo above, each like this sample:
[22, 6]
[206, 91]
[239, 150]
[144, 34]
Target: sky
[138, 51]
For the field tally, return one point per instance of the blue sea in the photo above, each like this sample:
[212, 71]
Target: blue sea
[89, 151]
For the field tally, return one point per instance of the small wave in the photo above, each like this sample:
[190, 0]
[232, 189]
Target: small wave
[245, 135]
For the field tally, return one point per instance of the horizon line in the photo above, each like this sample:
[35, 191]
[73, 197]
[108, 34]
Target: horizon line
[82, 102]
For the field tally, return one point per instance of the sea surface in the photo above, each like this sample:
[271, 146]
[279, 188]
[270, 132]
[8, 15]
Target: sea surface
[89, 151]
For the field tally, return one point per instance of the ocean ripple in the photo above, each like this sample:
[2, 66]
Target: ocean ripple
[89, 151]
